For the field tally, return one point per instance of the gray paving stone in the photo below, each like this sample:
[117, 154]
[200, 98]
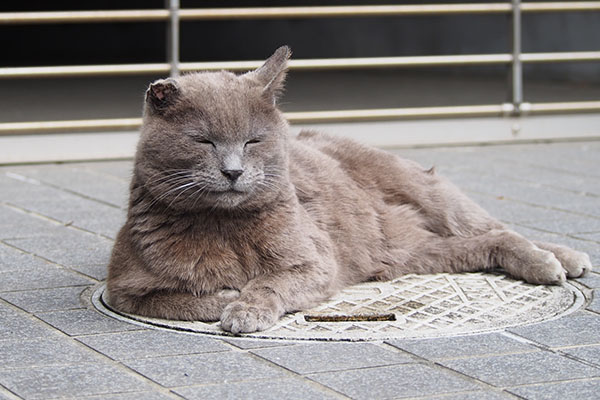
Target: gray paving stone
[289, 389]
[12, 259]
[106, 221]
[572, 330]
[204, 369]
[463, 346]
[591, 280]
[98, 271]
[513, 211]
[594, 236]
[561, 180]
[394, 382]
[533, 194]
[257, 344]
[506, 168]
[84, 322]
[590, 354]
[45, 277]
[83, 181]
[118, 169]
[571, 225]
[574, 390]
[151, 343]
[521, 369]
[16, 224]
[77, 250]
[321, 357]
[70, 381]
[14, 187]
[481, 395]
[16, 325]
[6, 395]
[21, 353]
[595, 304]
[66, 298]
[68, 208]
[573, 156]
[131, 396]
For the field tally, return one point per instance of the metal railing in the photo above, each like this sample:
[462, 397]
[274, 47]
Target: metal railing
[173, 15]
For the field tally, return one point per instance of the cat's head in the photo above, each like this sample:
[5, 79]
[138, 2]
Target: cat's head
[215, 140]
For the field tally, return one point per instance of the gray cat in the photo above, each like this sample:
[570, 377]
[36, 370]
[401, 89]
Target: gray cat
[232, 219]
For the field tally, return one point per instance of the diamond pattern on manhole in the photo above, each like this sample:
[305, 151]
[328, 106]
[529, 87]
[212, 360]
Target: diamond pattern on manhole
[411, 306]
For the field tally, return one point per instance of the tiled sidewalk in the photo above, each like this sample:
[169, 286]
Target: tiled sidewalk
[57, 224]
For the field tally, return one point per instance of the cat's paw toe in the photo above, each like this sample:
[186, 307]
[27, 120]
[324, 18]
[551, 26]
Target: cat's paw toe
[240, 317]
[576, 264]
[545, 270]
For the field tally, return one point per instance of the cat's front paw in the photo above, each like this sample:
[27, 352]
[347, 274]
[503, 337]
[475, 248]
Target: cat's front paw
[542, 267]
[576, 263]
[240, 317]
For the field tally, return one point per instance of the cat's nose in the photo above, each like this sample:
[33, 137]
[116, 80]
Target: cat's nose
[232, 174]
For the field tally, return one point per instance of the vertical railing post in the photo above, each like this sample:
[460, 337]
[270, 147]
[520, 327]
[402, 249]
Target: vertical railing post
[517, 67]
[173, 37]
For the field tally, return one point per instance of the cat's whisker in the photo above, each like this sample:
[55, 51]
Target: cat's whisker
[167, 173]
[168, 193]
[186, 187]
[175, 176]
[198, 194]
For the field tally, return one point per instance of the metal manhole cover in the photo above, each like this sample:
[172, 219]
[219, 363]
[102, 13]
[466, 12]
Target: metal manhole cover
[412, 306]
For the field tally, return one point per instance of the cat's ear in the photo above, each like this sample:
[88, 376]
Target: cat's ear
[271, 75]
[162, 93]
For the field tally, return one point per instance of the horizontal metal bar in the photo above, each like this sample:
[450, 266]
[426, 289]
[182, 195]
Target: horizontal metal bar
[358, 63]
[397, 113]
[343, 11]
[22, 128]
[17, 128]
[554, 6]
[70, 17]
[307, 64]
[572, 56]
[84, 70]
[244, 13]
[561, 107]
[62, 17]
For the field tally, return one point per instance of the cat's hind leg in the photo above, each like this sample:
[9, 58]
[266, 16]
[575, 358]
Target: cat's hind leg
[519, 257]
[575, 263]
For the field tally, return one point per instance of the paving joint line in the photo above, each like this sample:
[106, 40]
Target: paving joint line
[85, 167]
[68, 224]
[66, 268]
[118, 364]
[555, 350]
[27, 179]
[303, 377]
[567, 235]
[494, 196]
[12, 395]
[546, 185]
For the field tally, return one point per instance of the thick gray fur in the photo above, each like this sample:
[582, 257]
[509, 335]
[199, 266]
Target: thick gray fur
[233, 219]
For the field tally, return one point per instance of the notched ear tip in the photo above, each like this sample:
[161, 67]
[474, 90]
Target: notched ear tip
[284, 52]
[162, 92]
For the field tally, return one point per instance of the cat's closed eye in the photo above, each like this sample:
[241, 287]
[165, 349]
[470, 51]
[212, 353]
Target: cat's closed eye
[251, 142]
[205, 141]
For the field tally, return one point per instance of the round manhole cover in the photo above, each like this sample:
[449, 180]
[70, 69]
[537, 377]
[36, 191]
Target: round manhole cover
[412, 306]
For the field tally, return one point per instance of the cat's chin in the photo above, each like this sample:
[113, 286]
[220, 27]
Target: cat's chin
[227, 199]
